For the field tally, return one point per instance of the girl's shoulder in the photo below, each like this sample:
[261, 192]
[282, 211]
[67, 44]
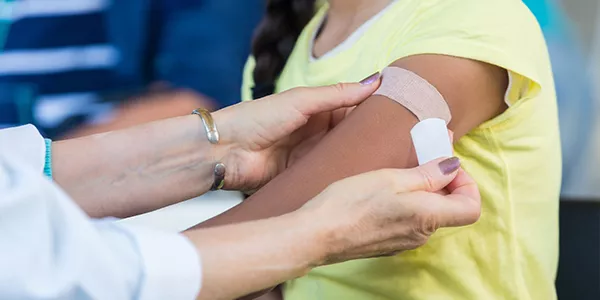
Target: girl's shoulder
[499, 32]
[503, 33]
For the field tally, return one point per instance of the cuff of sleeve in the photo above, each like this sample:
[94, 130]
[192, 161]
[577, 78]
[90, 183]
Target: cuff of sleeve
[48, 161]
[26, 144]
[172, 267]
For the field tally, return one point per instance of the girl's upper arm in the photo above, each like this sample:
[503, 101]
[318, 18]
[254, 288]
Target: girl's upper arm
[474, 90]
[376, 135]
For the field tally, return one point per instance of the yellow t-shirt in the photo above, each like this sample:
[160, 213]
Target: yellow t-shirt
[512, 252]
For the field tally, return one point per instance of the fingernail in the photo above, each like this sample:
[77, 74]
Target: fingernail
[449, 165]
[369, 80]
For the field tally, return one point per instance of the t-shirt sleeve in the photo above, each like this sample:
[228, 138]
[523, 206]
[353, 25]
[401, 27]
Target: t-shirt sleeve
[499, 32]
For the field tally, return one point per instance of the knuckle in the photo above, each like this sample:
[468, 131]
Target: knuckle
[339, 87]
[426, 179]
[424, 226]
[343, 94]
[420, 242]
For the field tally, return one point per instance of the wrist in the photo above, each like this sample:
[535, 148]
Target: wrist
[197, 135]
[197, 153]
[311, 240]
[285, 248]
[227, 150]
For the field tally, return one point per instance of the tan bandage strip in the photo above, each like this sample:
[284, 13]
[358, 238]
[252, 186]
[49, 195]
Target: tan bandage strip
[413, 92]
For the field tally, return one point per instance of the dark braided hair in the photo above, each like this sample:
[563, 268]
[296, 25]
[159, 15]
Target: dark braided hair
[275, 39]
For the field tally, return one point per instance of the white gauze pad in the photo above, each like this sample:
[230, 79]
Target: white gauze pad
[430, 136]
[431, 140]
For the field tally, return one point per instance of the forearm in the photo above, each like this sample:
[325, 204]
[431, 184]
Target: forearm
[242, 258]
[377, 135]
[54, 251]
[374, 136]
[139, 169]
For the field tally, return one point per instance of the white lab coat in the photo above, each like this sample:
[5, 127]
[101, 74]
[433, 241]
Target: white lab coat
[50, 249]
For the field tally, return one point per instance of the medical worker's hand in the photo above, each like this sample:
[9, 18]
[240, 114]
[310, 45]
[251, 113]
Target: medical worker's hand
[388, 211]
[264, 136]
[374, 214]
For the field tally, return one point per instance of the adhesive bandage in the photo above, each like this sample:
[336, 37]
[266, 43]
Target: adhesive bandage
[430, 135]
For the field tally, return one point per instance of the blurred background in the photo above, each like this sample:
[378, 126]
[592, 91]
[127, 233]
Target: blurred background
[572, 31]
[77, 67]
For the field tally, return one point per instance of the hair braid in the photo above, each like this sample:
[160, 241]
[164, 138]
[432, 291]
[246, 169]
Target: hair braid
[275, 39]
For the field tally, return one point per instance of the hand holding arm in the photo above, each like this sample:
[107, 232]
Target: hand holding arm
[377, 135]
[139, 169]
[377, 213]
[392, 207]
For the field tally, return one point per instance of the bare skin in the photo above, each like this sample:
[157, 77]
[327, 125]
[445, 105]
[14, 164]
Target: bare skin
[379, 213]
[140, 163]
[344, 152]
[142, 168]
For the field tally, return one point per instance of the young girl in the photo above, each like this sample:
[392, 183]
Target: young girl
[489, 61]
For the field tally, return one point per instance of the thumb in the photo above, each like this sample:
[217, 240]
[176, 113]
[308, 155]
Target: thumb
[459, 208]
[313, 100]
[430, 177]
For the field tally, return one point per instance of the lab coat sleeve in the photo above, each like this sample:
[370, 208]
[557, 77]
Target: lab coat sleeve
[52, 250]
[26, 144]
